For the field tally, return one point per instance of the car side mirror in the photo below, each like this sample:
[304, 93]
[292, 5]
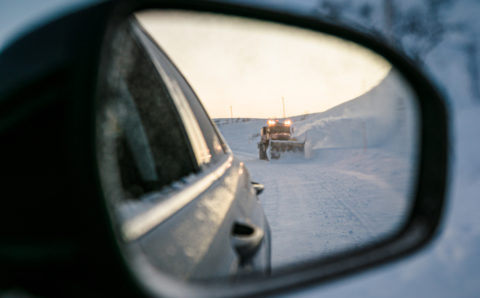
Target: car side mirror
[258, 187]
[387, 138]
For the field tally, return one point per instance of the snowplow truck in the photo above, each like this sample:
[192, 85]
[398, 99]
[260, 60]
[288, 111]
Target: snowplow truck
[276, 137]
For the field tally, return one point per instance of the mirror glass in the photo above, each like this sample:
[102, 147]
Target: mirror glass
[329, 128]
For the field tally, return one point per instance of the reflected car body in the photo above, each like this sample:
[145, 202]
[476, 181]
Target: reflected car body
[182, 191]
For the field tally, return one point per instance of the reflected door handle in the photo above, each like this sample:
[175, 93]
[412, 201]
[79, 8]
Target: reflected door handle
[246, 240]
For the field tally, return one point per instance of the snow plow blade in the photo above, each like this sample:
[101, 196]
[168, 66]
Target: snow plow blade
[277, 147]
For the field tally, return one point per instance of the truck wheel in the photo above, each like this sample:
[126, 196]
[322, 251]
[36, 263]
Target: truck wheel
[262, 153]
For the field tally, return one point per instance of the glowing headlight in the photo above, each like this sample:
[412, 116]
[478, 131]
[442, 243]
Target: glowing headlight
[288, 122]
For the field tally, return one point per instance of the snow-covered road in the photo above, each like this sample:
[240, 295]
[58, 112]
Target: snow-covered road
[315, 210]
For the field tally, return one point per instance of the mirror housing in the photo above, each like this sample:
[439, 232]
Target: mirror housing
[429, 189]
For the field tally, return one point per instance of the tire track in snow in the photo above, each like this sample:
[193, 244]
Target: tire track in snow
[312, 210]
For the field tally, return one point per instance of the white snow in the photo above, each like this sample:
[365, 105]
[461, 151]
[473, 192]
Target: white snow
[354, 186]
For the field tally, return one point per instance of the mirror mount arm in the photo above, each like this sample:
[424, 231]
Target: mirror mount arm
[258, 187]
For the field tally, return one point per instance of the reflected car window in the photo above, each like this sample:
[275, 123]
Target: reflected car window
[150, 144]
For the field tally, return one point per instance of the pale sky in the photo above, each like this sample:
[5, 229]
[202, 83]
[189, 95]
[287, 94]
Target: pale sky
[250, 65]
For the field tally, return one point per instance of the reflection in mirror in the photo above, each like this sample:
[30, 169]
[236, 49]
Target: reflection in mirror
[341, 174]
[326, 128]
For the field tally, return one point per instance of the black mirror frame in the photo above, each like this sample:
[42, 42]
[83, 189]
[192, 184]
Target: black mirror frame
[426, 213]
